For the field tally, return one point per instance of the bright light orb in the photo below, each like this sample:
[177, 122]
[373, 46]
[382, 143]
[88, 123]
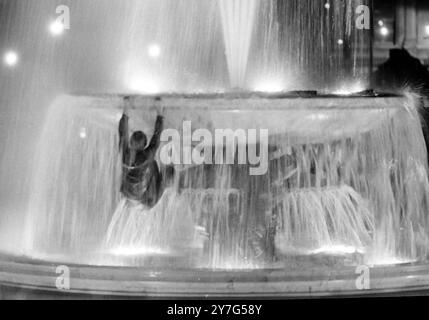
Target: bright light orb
[384, 31]
[154, 51]
[427, 30]
[327, 6]
[340, 42]
[56, 28]
[82, 133]
[11, 58]
[381, 23]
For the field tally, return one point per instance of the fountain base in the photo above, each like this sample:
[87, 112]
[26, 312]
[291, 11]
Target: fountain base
[24, 278]
[346, 185]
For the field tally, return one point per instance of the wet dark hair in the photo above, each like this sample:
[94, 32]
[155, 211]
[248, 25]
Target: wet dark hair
[138, 140]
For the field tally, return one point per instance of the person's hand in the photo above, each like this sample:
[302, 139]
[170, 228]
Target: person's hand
[127, 109]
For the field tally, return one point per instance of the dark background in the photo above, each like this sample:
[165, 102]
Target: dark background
[406, 21]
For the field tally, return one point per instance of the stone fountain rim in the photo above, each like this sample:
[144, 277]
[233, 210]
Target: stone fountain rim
[239, 103]
[26, 274]
[243, 95]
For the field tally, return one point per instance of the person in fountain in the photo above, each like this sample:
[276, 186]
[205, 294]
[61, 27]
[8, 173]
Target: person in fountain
[141, 178]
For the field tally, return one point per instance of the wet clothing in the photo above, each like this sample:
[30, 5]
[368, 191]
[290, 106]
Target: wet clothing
[141, 179]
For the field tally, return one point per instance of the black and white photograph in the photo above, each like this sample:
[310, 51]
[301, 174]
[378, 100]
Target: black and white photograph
[191, 151]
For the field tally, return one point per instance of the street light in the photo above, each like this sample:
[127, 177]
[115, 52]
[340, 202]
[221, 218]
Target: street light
[56, 28]
[10, 58]
[154, 51]
[384, 31]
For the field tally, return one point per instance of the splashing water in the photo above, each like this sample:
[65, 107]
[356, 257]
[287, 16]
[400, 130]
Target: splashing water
[314, 218]
[331, 183]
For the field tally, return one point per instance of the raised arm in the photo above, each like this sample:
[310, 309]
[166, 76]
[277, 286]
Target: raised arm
[156, 139]
[124, 130]
[124, 134]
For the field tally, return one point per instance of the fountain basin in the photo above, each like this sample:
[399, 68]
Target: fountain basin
[20, 277]
[358, 215]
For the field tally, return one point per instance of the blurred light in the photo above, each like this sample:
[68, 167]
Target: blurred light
[82, 133]
[10, 58]
[380, 23]
[327, 6]
[337, 249]
[319, 116]
[384, 31]
[269, 86]
[137, 251]
[154, 51]
[427, 30]
[56, 28]
[143, 85]
[340, 42]
[386, 261]
[350, 89]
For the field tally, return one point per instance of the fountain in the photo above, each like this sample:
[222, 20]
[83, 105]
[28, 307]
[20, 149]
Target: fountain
[238, 17]
[344, 176]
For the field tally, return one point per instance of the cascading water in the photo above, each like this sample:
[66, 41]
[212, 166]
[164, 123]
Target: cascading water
[346, 176]
[331, 183]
